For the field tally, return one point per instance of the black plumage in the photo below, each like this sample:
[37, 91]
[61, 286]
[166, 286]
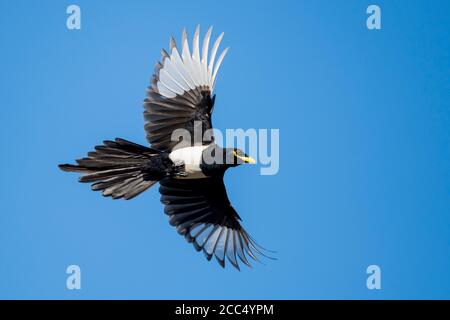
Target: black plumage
[201, 211]
[194, 195]
[164, 116]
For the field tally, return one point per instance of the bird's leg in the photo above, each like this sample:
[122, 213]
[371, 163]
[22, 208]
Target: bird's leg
[178, 171]
[181, 174]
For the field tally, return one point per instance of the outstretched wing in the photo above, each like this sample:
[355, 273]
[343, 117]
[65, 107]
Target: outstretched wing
[201, 211]
[181, 91]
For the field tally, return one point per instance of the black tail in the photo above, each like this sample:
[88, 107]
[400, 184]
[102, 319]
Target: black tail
[117, 168]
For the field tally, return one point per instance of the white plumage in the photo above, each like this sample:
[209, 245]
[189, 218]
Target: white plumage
[191, 157]
[181, 73]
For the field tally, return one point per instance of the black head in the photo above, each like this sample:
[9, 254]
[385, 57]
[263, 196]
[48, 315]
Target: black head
[216, 160]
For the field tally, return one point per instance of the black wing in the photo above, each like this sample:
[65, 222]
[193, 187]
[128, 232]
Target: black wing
[202, 213]
[180, 95]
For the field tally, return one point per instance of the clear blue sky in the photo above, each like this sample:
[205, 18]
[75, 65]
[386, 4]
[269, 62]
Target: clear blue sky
[364, 120]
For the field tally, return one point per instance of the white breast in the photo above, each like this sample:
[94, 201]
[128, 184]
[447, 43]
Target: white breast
[191, 157]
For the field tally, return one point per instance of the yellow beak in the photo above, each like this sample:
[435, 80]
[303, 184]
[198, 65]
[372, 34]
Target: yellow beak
[247, 159]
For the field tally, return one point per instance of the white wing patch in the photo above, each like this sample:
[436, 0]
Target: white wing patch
[181, 73]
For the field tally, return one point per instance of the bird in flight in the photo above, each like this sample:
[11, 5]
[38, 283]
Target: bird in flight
[189, 169]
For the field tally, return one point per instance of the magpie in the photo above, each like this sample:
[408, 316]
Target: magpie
[189, 170]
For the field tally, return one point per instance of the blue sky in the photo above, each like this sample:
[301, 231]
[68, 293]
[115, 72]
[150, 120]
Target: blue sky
[364, 120]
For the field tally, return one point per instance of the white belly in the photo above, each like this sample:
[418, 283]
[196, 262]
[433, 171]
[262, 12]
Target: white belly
[191, 157]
